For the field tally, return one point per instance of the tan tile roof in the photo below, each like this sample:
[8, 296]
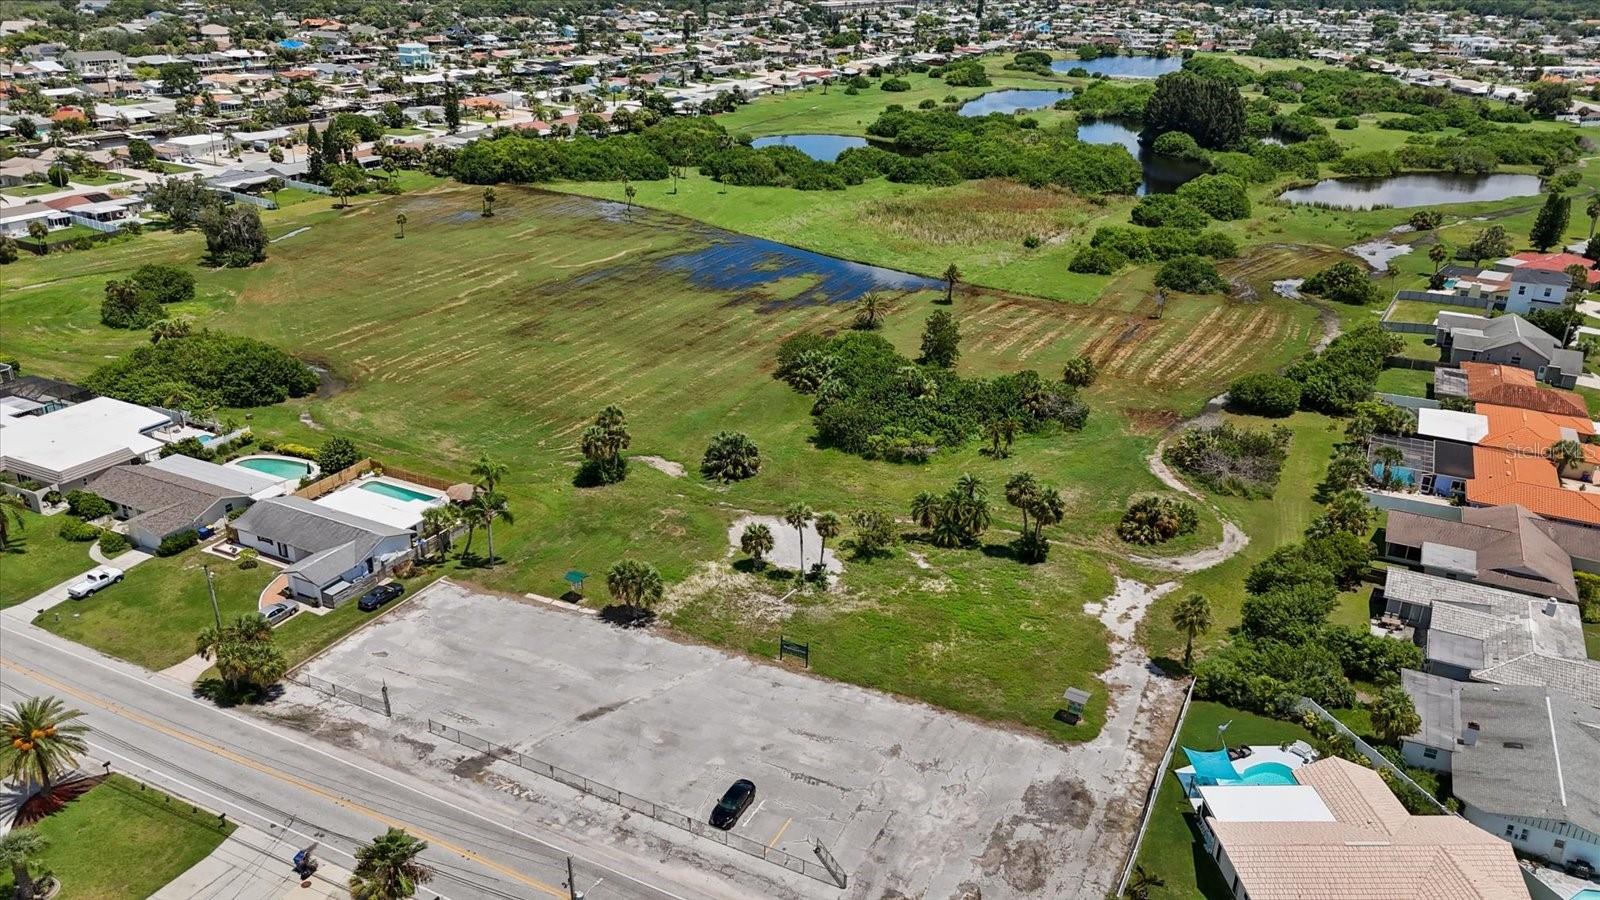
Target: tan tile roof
[1375, 850]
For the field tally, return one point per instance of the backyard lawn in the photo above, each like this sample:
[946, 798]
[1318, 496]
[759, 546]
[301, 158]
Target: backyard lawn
[1591, 640]
[29, 190]
[38, 558]
[118, 842]
[152, 617]
[1172, 849]
[1410, 382]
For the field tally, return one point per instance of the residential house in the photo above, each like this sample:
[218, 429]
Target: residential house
[329, 551]
[1522, 761]
[1533, 290]
[1505, 547]
[1551, 262]
[64, 447]
[219, 35]
[176, 494]
[1339, 833]
[1509, 340]
[1470, 631]
[413, 55]
[1505, 385]
[16, 220]
[96, 63]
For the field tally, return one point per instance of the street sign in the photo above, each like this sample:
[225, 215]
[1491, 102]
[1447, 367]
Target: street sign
[787, 647]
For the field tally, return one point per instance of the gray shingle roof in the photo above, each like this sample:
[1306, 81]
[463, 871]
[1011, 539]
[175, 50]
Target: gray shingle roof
[1536, 755]
[1438, 703]
[310, 526]
[1515, 550]
[166, 501]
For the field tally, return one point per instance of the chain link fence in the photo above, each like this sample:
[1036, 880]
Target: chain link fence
[825, 868]
[378, 704]
[1378, 760]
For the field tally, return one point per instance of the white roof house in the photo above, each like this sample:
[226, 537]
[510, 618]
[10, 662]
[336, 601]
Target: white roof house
[1451, 425]
[77, 442]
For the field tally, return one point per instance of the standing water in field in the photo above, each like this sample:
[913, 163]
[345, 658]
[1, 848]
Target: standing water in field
[737, 262]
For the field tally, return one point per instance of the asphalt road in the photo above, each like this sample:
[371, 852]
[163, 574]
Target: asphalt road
[302, 790]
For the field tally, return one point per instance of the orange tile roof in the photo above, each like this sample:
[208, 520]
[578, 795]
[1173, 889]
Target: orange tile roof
[1529, 430]
[1501, 477]
[1513, 386]
[1558, 262]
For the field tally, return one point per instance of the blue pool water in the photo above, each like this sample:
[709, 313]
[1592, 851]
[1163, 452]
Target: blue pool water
[1587, 894]
[1400, 474]
[823, 147]
[1011, 101]
[1268, 773]
[395, 491]
[1122, 66]
[277, 468]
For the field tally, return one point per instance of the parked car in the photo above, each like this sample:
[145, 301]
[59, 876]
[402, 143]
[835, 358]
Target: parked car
[100, 578]
[733, 804]
[380, 595]
[278, 612]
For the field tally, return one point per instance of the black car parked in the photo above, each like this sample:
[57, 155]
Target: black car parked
[733, 804]
[379, 595]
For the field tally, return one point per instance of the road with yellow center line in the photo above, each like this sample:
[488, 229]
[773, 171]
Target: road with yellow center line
[286, 781]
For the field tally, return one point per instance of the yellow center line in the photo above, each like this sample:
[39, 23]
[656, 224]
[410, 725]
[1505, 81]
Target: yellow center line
[775, 838]
[264, 769]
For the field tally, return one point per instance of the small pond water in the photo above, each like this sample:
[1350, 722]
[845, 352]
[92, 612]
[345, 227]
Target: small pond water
[1162, 174]
[824, 147]
[737, 262]
[1405, 191]
[1011, 101]
[1122, 66]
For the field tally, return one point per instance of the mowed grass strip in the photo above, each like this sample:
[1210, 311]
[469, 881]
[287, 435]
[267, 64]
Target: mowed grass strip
[121, 841]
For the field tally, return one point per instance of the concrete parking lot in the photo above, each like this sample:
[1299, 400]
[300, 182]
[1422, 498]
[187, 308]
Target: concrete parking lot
[912, 801]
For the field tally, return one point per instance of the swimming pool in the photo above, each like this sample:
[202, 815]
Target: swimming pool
[396, 492]
[1401, 475]
[275, 466]
[1266, 773]
[1586, 894]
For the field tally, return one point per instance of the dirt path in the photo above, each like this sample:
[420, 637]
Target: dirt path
[1233, 538]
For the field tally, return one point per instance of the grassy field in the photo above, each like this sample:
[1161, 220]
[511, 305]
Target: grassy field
[1591, 639]
[152, 617]
[500, 335]
[38, 559]
[1412, 382]
[29, 190]
[121, 842]
[1172, 849]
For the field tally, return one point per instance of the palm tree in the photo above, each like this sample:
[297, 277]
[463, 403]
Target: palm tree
[11, 507]
[486, 506]
[42, 741]
[400, 225]
[1022, 490]
[827, 527]
[799, 515]
[870, 315]
[924, 509]
[1142, 883]
[635, 584]
[438, 522]
[1394, 715]
[489, 471]
[1565, 455]
[972, 505]
[388, 869]
[1388, 457]
[1593, 212]
[731, 456]
[488, 202]
[18, 850]
[1000, 432]
[951, 276]
[1438, 254]
[1048, 509]
[169, 329]
[756, 541]
[1192, 616]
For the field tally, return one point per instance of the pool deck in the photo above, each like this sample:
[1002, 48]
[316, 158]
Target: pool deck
[355, 499]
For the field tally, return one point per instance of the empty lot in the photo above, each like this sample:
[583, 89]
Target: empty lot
[911, 800]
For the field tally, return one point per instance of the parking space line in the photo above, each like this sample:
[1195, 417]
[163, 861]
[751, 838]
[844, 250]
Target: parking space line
[774, 842]
[745, 821]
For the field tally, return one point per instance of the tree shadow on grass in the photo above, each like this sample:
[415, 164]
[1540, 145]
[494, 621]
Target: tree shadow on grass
[468, 560]
[624, 615]
[222, 694]
[766, 570]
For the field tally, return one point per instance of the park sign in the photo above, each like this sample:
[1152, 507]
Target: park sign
[787, 647]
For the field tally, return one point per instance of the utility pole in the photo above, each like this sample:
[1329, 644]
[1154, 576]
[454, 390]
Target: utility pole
[572, 884]
[211, 589]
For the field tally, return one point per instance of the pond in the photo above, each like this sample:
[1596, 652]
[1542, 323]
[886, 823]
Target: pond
[1011, 101]
[1122, 66]
[1162, 174]
[1405, 191]
[824, 147]
[737, 262]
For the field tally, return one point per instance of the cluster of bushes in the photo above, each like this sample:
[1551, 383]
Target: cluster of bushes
[1346, 371]
[1231, 460]
[135, 302]
[205, 369]
[1156, 519]
[112, 543]
[518, 159]
[1114, 246]
[1001, 146]
[874, 402]
[1105, 99]
[173, 544]
[1035, 61]
[1191, 274]
[76, 529]
[966, 73]
[1265, 394]
[86, 505]
[781, 166]
[1345, 282]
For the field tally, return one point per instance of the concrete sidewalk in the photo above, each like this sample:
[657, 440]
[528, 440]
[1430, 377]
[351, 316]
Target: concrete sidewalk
[253, 865]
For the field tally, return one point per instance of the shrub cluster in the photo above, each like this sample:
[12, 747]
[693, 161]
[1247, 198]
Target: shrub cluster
[1192, 274]
[75, 529]
[173, 544]
[1345, 282]
[872, 401]
[1156, 519]
[1231, 460]
[86, 505]
[1265, 394]
[209, 369]
[1345, 373]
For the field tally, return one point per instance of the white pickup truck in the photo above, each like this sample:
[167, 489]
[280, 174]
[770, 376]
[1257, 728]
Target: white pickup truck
[104, 576]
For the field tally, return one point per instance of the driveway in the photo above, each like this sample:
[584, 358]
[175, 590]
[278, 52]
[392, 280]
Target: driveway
[28, 610]
[911, 800]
